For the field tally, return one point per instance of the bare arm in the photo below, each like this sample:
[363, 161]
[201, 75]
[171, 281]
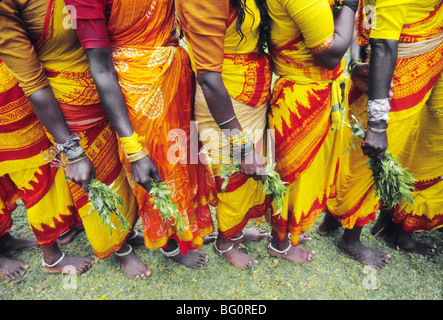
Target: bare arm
[381, 69]
[113, 101]
[344, 24]
[220, 105]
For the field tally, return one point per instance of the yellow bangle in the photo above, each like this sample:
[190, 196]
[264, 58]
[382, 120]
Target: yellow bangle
[131, 145]
[138, 155]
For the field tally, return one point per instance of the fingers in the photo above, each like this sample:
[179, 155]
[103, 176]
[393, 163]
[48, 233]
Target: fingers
[372, 152]
[156, 176]
[145, 183]
[84, 185]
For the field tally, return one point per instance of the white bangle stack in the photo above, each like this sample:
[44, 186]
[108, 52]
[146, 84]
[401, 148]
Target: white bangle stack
[378, 109]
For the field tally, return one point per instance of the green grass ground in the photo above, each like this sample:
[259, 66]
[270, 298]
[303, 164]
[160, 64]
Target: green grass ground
[330, 276]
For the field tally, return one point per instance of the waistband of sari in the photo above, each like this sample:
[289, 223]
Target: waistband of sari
[303, 71]
[136, 51]
[248, 77]
[81, 118]
[245, 57]
[418, 31]
[408, 50]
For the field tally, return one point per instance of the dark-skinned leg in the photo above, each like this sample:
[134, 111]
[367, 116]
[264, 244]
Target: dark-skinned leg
[403, 240]
[250, 234]
[328, 225]
[384, 224]
[287, 251]
[69, 235]
[12, 268]
[131, 264]
[55, 261]
[10, 244]
[350, 246]
[192, 258]
[226, 249]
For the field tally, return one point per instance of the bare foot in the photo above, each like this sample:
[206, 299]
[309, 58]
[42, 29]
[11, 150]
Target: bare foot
[192, 258]
[67, 264]
[210, 238]
[251, 234]
[69, 235]
[237, 258]
[328, 225]
[364, 255]
[287, 251]
[9, 244]
[131, 264]
[403, 240]
[304, 238]
[11, 268]
[301, 238]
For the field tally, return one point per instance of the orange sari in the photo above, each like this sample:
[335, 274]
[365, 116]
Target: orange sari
[158, 84]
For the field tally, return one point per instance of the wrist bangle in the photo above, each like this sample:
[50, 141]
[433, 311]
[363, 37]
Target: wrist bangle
[352, 64]
[138, 155]
[241, 145]
[378, 109]
[70, 148]
[71, 161]
[376, 130]
[131, 145]
[227, 121]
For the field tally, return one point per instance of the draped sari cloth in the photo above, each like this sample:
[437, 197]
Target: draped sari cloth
[247, 77]
[158, 84]
[8, 198]
[24, 171]
[67, 69]
[414, 132]
[305, 114]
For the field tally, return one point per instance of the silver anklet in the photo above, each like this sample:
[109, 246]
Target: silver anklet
[172, 253]
[239, 237]
[125, 253]
[44, 264]
[285, 251]
[133, 236]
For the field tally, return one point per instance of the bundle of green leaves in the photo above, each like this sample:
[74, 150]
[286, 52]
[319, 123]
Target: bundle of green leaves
[104, 202]
[272, 185]
[393, 183]
[161, 197]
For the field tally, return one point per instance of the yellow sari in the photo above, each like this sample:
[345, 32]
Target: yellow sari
[8, 198]
[414, 132]
[305, 113]
[24, 171]
[68, 72]
[247, 77]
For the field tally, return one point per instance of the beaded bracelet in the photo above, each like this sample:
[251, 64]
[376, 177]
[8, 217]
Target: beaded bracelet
[71, 161]
[352, 64]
